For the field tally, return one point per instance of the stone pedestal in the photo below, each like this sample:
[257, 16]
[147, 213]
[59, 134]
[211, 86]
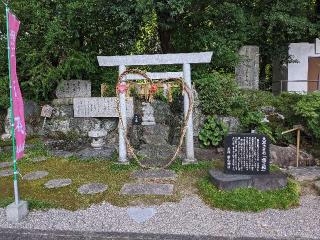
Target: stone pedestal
[263, 182]
[16, 213]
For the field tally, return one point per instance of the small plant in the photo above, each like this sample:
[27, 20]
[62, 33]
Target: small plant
[212, 132]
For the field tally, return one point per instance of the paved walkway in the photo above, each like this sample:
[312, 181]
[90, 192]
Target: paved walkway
[187, 217]
[13, 234]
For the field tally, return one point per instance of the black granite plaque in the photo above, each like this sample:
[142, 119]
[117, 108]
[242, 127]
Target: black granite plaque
[247, 153]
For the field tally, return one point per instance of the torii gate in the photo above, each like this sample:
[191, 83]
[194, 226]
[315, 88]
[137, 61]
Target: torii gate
[156, 59]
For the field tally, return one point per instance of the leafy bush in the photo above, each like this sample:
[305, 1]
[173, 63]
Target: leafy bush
[213, 132]
[217, 92]
[255, 120]
[308, 107]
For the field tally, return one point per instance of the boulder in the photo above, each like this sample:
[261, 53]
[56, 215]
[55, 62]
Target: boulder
[232, 123]
[286, 156]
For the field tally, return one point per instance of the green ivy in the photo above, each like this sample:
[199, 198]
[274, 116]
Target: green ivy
[213, 132]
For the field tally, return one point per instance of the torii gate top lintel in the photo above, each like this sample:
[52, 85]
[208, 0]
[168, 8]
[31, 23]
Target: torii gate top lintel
[155, 59]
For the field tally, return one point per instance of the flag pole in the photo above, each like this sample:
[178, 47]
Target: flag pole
[14, 158]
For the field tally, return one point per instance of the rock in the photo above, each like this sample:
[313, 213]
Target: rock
[62, 101]
[39, 159]
[147, 189]
[317, 186]
[6, 164]
[304, 173]
[92, 188]
[61, 153]
[286, 156]
[155, 175]
[6, 173]
[35, 175]
[31, 110]
[232, 123]
[198, 116]
[7, 127]
[162, 112]
[263, 182]
[58, 183]
[157, 152]
[105, 153]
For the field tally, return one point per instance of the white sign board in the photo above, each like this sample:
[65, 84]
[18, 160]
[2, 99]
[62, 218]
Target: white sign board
[99, 107]
[317, 46]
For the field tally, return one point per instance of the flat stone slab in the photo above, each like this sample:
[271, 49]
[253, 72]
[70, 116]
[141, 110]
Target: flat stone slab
[35, 175]
[158, 174]
[6, 164]
[91, 153]
[92, 188]
[6, 173]
[39, 159]
[263, 182]
[304, 173]
[147, 189]
[58, 183]
[61, 153]
[141, 215]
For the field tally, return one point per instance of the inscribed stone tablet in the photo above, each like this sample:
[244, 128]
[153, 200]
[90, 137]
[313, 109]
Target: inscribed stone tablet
[74, 88]
[99, 107]
[247, 153]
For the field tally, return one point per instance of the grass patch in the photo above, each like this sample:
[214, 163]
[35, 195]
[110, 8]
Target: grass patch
[201, 165]
[32, 204]
[248, 199]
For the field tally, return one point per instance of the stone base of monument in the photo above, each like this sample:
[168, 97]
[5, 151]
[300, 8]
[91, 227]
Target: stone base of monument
[263, 182]
[16, 213]
[105, 153]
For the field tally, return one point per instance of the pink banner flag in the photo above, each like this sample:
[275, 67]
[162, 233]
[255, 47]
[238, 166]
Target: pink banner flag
[17, 101]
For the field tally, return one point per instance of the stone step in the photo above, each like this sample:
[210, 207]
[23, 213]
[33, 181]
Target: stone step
[6, 164]
[147, 189]
[155, 175]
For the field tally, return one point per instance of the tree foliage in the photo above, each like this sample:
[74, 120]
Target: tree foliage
[60, 39]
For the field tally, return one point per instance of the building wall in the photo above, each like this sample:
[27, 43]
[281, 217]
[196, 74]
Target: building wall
[298, 70]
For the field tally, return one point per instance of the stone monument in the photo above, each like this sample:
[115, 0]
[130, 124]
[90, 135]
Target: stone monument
[148, 114]
[247, 164]
[247, 72]
[97, 135]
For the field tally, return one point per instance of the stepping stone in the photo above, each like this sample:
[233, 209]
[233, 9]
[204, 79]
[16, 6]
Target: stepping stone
[92, 188]
[141, 215]
[58, 183]
[6, 173]
[305, 173]
[158, 174]
[147, 189]
[35, 175]
[6, 164]
[39, 159]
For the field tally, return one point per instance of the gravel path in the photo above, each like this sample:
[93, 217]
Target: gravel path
[190, 216]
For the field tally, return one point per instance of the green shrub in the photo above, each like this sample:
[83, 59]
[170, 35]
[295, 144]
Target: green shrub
[217, 93]
[308, 107]
[255, 121]
[213, 132]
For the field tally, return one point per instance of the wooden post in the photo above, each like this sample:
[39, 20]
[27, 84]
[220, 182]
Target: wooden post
[298, 146]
